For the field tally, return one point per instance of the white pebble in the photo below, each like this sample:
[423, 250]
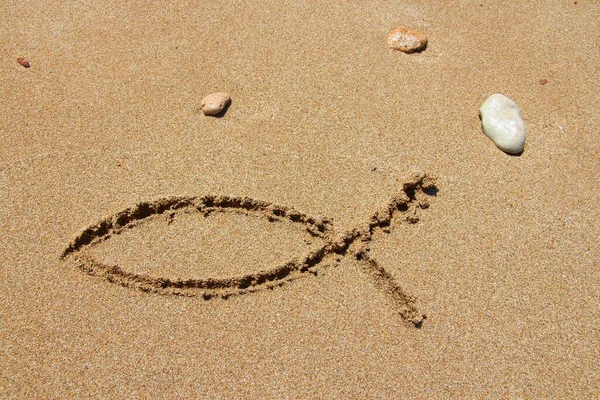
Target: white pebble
[214, 103]
[502, 122]
[406, 40]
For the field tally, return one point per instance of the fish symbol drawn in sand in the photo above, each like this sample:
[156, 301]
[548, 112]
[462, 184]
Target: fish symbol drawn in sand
[332, 246]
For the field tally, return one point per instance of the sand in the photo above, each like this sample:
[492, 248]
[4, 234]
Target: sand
[325, 119]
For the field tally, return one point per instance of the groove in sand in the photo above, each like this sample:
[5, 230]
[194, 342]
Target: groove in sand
[336, 245]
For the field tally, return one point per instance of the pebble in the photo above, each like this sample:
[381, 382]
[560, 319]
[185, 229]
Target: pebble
[406, 40]
[23, 62]
[214, 103]
[502, 122]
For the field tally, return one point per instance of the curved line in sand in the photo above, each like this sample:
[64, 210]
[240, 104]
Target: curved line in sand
[335, 247]
[210, 287]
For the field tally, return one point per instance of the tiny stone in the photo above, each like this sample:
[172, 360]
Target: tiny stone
[406, 40]
[502, 122]
[214, 103]
[543, 81]
[23, 62]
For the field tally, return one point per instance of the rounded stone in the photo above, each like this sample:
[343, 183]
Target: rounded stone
[214, 103]
[502, 122]
[406, 40]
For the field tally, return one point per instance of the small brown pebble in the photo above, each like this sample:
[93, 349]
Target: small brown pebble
[543, 81]
[406, 40]
[214, 103]
[23, 62]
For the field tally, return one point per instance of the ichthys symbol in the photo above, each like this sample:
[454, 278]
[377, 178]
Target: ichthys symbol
[333, 247]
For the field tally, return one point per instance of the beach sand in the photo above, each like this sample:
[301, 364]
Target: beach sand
[327, 120]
